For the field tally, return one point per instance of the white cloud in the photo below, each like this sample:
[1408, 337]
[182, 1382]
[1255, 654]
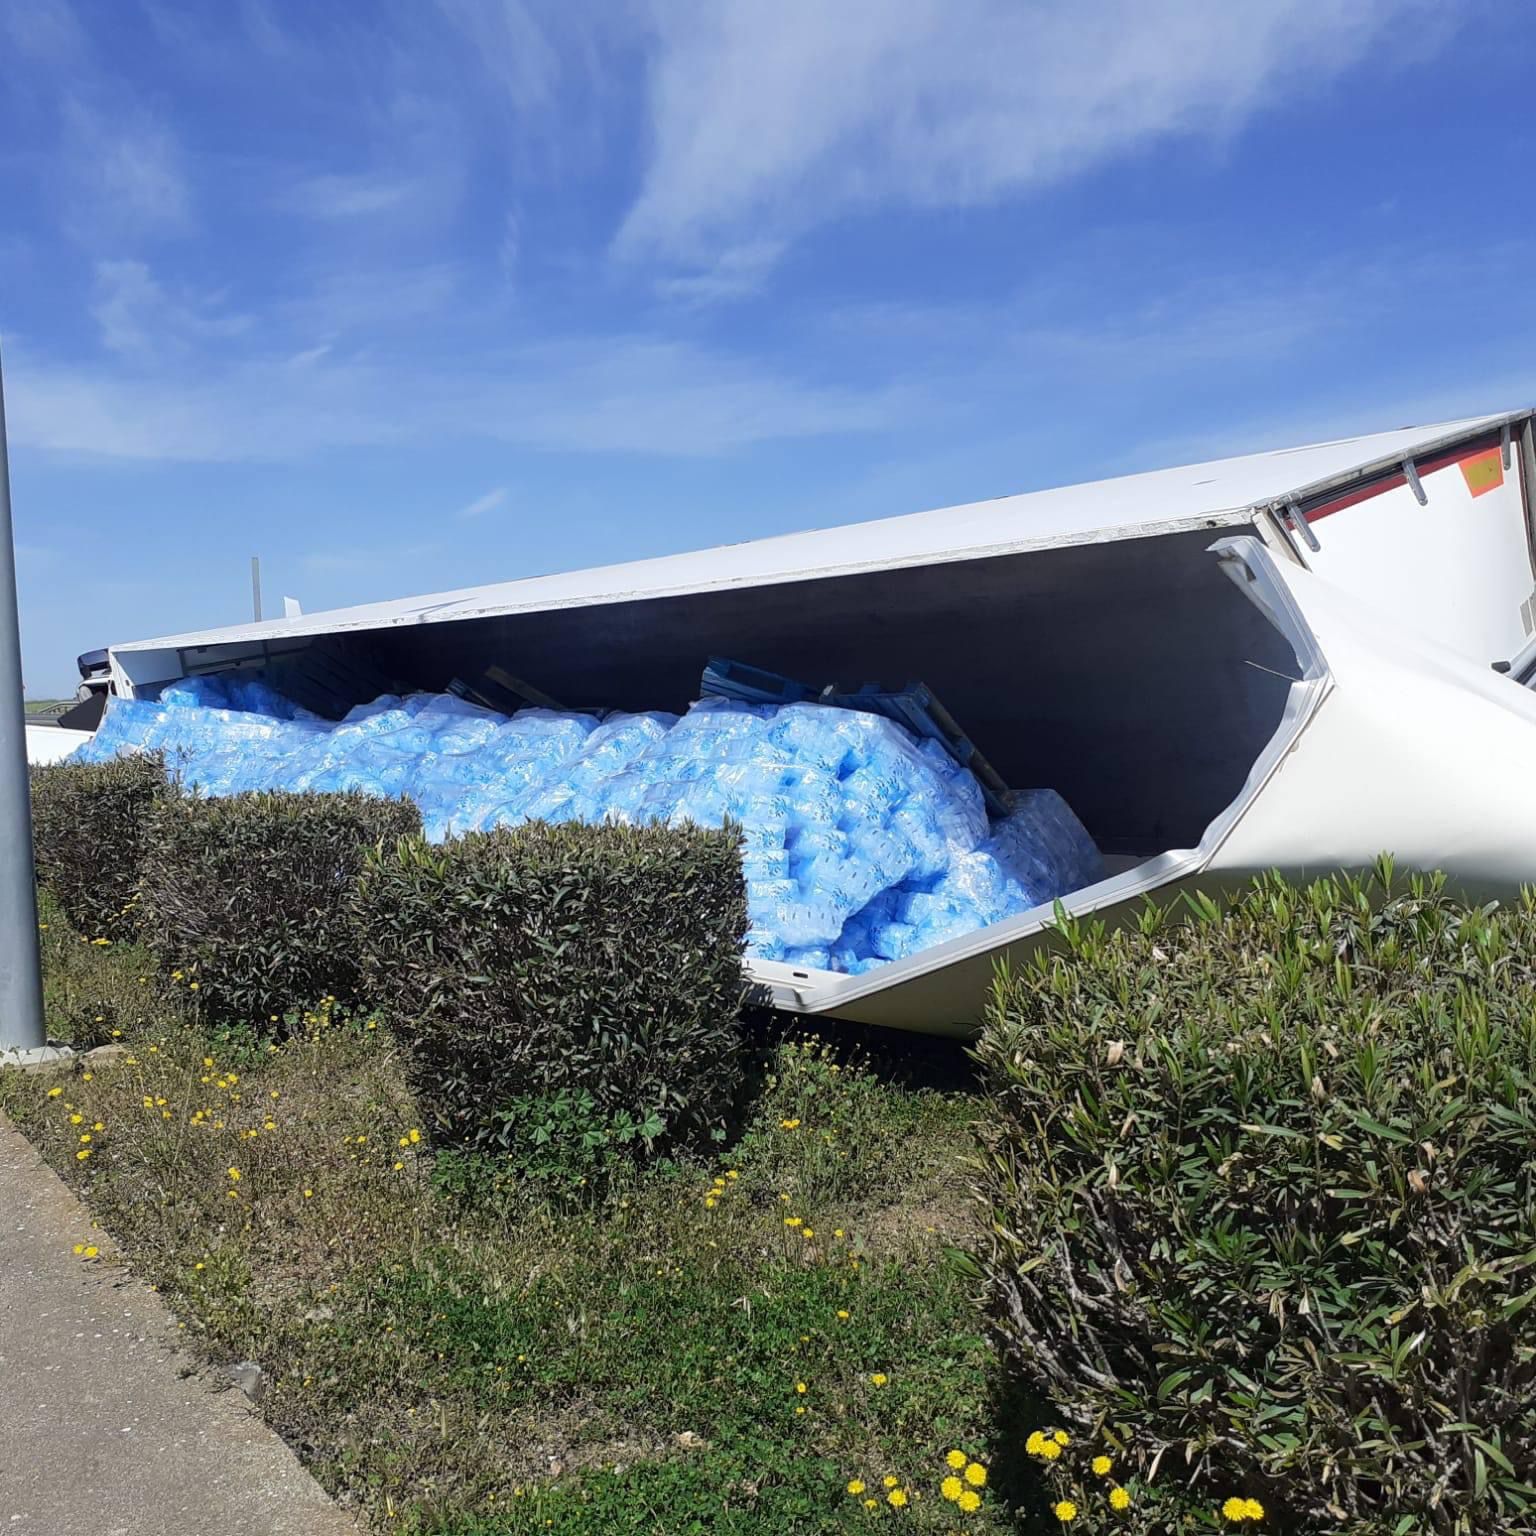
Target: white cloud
[336, 196]
[45, 30]
[617, 394]
[483, 504]
[124, 175]
[137, 317]
[738, 271]
[765, 120]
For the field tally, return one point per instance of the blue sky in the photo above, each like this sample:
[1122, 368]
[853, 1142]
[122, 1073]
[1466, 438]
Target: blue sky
[423, 293]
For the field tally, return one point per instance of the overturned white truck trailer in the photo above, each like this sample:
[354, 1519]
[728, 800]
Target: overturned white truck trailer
[1291, 660]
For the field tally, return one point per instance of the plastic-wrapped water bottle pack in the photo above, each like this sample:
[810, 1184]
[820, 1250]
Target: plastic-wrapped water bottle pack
[863, 845]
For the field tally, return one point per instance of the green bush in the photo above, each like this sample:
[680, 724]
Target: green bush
[96, 993]
[1264, 1199]
[247, 896]
[528, 962]
[88, 828]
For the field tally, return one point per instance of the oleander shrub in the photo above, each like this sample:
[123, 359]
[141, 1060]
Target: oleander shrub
[1263, 1189]
[247, 896]
[88, 832]
[602, 963]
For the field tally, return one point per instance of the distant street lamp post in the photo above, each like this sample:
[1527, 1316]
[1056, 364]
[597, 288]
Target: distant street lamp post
[21, 982]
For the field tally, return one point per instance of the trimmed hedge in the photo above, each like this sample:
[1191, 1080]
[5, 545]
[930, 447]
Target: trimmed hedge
[88, 837]
[248, 895]
[1264, 1199]
[526, 963]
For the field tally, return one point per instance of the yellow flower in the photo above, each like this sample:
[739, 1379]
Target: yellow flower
[842, 1314]
[806, 1232]
[793, 1221]
[1235, 1509]
[81, 1155]
[890, 1481]
[952, 1488]
[53, 1093]
[855, 1486]
[309, 1194]
[415, 1134]
[398, 1167]
[76, 1119]
[956, 1459]
[1119, 1499]
[1050, 1450]
[896, 1498]
[1101, 1465]
[1064, 1511]
[79, 1247]
[801, 1387]
[234, 1174]
[790, 1125]
[1061, 1437]
[90, 1252]
[1035, 1445]
[969, 1501]
[879, 1378]
[871, 1503]
[234, 1194]
[85, 1136]
[731, 1173]
[1253, 1509]
[710, 1202]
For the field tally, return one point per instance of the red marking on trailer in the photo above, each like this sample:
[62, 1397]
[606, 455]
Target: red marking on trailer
[1477, 456]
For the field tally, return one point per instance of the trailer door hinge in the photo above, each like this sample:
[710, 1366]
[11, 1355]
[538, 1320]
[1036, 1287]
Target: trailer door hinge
[1504, 444]
[1411, 474]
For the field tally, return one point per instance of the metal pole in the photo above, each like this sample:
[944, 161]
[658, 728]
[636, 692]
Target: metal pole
[21, 980]
[256, 588]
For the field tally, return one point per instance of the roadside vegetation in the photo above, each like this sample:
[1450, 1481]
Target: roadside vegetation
[471, 1343]
[516, 1217]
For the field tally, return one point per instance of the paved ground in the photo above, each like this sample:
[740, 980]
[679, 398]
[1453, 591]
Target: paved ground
[101, 1432]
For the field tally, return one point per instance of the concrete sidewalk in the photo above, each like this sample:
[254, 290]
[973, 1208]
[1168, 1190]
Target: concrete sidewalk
[101, 1432]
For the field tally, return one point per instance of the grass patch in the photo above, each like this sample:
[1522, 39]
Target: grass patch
[717, 1345]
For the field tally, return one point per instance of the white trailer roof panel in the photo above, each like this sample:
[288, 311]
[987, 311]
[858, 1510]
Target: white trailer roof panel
[1218, 494]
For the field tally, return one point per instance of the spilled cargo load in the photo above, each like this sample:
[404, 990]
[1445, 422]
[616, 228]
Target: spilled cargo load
[862, 844]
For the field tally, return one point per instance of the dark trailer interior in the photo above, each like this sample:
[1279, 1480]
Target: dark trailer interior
[1132, 676]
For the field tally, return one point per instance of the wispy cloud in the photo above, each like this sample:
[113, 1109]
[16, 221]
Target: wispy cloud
[767, 120]
[107, 156]
[483, 504]
[264, 392]
[346, 196]
[735, 273]
[137, 317]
